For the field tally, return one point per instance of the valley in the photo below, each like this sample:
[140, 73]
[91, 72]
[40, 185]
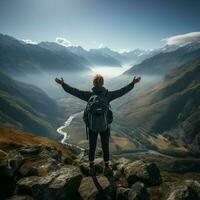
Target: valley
[156, 116]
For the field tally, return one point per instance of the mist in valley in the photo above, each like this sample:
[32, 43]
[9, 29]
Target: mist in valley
[113, 79]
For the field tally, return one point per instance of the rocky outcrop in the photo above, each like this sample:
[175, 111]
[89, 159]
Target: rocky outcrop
[40, 172]
[121, 164]
[39, 160]
[148, 173]
[138, 192]
[61, 184]
[9, 164]
[33, 149]
[14, 161]
[188, 190]
[97, 188]
[35, 164]
[98, 165]
[122, 193]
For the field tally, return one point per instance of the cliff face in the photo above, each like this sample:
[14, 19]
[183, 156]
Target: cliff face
[33, 167]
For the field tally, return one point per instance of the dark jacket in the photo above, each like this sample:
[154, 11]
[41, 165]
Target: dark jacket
[85, 95]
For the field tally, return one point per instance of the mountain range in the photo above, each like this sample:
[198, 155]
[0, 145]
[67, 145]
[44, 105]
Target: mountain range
[171, 107]
[167, 60]
[17, 57]
[28, 108]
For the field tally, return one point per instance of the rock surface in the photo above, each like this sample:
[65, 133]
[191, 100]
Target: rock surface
[138, 192]
[148, 173]
[188, 190]
[54, 172]
[14, 161]
[122, 193]
[9, 164]
[60, 184]
[97, 188]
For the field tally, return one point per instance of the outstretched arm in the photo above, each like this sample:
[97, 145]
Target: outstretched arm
[118, 93]
[83, 95]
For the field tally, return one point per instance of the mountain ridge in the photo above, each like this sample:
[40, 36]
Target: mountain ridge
[170, 104]
[19, 58]
[27, 107]
[162, 63]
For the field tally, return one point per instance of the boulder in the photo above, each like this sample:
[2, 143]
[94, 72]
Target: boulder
[122, 193]
[82, 156]
[51, 153]
[138, 192]
[40, 160]
[38, 167]
[33, 186]
[85, 169]
[7, 182]
[14, 161]
[141, 171]
[120, 164]
[34, 149]
[194, 185]
[61, 184]
[97, 188]
[68, 160]
[9, 164]
[66, 183]
[188, 190]
[117, 174]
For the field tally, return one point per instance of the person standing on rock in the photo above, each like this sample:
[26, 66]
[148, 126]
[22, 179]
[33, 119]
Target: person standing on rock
[97, 115]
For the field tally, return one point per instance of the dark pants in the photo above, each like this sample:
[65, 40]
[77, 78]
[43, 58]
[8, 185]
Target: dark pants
[104, 143]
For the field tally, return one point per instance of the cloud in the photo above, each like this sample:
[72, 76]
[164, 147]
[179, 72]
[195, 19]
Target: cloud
[124, 50]
[28, 41]
[63, 41]
[183, 39]
[101, 46]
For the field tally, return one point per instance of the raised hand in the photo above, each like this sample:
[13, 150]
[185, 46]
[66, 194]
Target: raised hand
[136, 79]
[59, 81]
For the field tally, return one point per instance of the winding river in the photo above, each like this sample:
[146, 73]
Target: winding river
[62, 131]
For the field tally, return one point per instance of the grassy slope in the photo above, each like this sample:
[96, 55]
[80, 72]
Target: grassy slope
[28, 108]
[172, 102]
[11, 139]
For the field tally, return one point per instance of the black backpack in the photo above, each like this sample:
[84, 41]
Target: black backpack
[97, 114]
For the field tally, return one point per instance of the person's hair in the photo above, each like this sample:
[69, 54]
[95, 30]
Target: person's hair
[98, 80]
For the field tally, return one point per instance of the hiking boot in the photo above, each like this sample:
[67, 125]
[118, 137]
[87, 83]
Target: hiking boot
[92, 171]
[107, 171]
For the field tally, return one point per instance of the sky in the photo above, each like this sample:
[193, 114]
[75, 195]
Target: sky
[117, 24]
